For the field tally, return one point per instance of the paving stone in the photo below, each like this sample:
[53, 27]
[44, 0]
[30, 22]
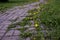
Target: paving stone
[16, 32]
[6, 22]
[5, 27]
[17, 26]
[2, 32]
[0, 37]
[11, 38]
[9, 33]
[28, 38]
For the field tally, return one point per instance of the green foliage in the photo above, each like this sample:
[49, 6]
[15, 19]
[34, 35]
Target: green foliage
[50, 16]
[26, 34]
[5, 5]
[35, 18]
[22, 29]
[11, 26]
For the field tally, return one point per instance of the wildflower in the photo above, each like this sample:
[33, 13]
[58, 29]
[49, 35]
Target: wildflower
[36, 25]
[35, 13]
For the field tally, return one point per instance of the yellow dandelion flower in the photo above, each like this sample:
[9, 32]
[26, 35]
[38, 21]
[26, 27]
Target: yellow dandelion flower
[36, 25]
[35, 13]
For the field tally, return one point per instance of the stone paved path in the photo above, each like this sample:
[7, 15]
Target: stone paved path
[5, 20]
[19, 13]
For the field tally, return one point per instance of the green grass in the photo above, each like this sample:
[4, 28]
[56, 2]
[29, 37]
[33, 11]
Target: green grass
[12, 3]
[50, 17]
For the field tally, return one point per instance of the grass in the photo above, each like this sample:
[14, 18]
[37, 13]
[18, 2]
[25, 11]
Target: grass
[12, 3]
[50, 17]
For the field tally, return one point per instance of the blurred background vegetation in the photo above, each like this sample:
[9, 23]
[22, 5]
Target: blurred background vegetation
[4, 4]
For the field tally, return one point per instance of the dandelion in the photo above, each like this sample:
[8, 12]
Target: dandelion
[35, 13]
[36, 25]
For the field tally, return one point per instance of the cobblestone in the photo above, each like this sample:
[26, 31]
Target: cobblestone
[12, 14]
